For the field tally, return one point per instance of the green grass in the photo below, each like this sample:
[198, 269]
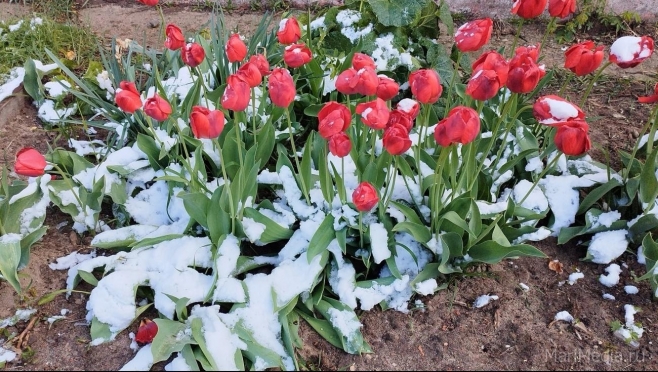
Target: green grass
[73, 43]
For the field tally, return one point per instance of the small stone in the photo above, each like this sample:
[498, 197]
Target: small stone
[154, 24]
[635, 133]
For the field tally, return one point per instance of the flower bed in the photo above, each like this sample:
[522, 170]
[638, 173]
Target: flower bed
[234, 216]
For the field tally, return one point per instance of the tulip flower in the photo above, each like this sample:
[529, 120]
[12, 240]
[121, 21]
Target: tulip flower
[524, 73]
[461, 125]
[554, 110]
[333, 118]
[583, 58]
[192, 54]
[629, 51]
[340, 144]
[531, 51]
[360, 60]
[146, 332]
[346, 81]
[409, 107]
[561, 8]
[206, 123]
[493, 61]
[650, 99]
[425, 85]
[571, 138]
[367, 81]
[281, 87]
[149, 2]
[289, 31]
[158, 108]
[127, 97]
[29, 162]
[250, 73]
[365, 197]
[236, 50]
[261, 62]
[387, 88]
[396, 139]
[237, 93]
[483, 85]
[399, 117]
[472, 35]
[297, 55]
[529, 8]
[175, 39]
[374, 114]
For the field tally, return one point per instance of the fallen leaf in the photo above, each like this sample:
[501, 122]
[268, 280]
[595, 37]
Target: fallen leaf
[70, 55]
[556, 266]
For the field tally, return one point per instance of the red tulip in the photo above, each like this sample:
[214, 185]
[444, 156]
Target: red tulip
[297, 55]
[175, 39]
[374, 113]
[524, 73]
[333, 118]
[29, 162]
[409, 107]
[629, 51]
[157, 107]
[237, 93]
[561, 8]
[192, 54]
[146, 332]
[281, 87]
[531, 51]
[289, 31]
[206, 123]
[360, 60]
[364, 197]
[346, 81]
[149, 2]
[261, 62]
[495, 62]
[472, 35]
[396, 139]
[366, 81]
[554, 110]
[340, 144]
[483, 85]
[583, 58]
[398, 117]
[249, 72]
[652, 98]
[236, 50]
[461, 125]
[127, 97]
[425, 85]
[528, 8]
[571, 138]
[387, 88]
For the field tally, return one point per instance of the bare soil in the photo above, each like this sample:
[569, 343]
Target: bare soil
[515, 332]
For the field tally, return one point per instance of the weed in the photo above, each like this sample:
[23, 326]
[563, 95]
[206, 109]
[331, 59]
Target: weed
[31, 39]
[592, 13]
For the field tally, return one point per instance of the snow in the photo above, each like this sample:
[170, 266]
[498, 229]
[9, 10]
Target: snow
[541, 234]
[607, 219]
[6, 355]
[348, 17]
[20, 315]
[16, 76]
[178, 364]
[32, 216]
[387, 57]
[379, 242]
[344, 321]
[57, 88]
[564, 316]
[630, 332]
[573, 277]
[84, 148]
[355, 34]
[560, 111]
[254, 230]
[142, 361]
[70, 260]
[536, 201]
[631, 289]
[220, 342]
[426, 287]
[55, 318]
[48, 112]
[484, 301]
[607, 246]
[627, 48]
[524, 287]
[608, 296]
[317, 23]
[641, 258]
[612, 278]
[16, 26]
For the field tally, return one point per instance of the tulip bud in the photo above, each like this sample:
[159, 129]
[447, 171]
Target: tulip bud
[249, 72]
[387, 88]
[127, 97]
[472, 35]
[281, 87]
[146, 332]
[365, 197]
[340, 144]
[29, 162]
[297, 55]
[374, 114]
[425, 85]
[629, 51]
[236, 50]
[360, 60]
[462, 125]
[333, 118]
[192, 54]
[237, 93]
[175, 39]
[206, 123]
[583, 59]
[289, 31]
[571, 138]
[396, 139]
[157, 108]
[529, 8]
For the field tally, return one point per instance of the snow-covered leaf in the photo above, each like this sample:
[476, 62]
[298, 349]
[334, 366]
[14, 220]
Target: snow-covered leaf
[396, 12]
[10, 257]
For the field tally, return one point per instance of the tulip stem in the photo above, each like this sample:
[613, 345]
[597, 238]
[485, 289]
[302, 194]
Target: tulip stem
[636, 147]
[360, 229]
[435, 189]
[549, 29]
[543, 173]
[372, 146]
[452, 82]
[516, 37]
[227, 187]
[2, 229]
[592, 82]
[294, 152]
[425, 110]
[390, 184]
[253, 114]
[163, 32]
[508, 129]
[342, 174]
[565, 83]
